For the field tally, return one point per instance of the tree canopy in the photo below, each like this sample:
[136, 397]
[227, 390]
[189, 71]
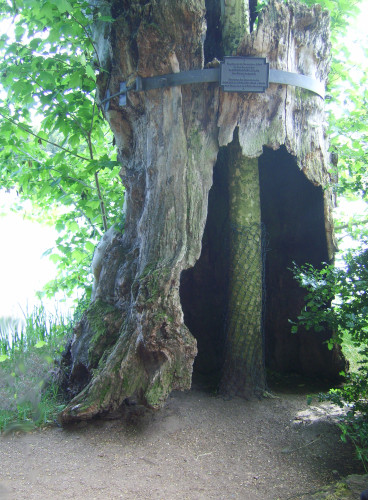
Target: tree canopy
[56, 148]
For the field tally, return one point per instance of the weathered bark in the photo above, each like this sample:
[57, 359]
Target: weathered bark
[133, 341]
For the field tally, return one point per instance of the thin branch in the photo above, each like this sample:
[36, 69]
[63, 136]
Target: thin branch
[93, 116]
[62, 61]
[346, 226]
[357, 223]
[29, 155]
[84, 28]
[74, 179]
[65, 112]
[95, 228]
[64, 192]
[102, 204]
[26, 129]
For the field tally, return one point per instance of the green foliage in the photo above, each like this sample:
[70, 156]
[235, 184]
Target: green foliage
[341, 12]
[56, 149]
[29, 392]
[338, 299]
[28, 395]
[38, 328]
[348, 128]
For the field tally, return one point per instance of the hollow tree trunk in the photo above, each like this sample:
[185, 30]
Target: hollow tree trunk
[133, 342]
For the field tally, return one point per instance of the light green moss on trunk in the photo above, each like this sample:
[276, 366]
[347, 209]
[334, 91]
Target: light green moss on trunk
[244, 372]
[104, 321]
[235, 22]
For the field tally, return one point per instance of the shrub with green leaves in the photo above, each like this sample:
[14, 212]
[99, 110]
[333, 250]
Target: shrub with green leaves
[338, 299]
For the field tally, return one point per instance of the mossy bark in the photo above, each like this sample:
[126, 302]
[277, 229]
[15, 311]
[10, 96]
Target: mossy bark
[168, 140]
[244, 370]
[235, 22]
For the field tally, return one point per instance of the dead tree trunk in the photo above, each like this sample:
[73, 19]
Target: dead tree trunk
[134, 341]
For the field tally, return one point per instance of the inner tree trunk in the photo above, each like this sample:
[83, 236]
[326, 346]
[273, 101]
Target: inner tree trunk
[134, 342]
[244, 369]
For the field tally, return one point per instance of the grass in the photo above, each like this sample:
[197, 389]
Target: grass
[28, 396]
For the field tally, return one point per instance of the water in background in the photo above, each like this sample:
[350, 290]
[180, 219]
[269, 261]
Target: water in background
[23, 270]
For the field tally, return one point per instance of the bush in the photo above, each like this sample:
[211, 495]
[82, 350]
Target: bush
[338, 299]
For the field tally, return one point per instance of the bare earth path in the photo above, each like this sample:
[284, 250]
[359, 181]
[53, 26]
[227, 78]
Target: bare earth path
[198, 447]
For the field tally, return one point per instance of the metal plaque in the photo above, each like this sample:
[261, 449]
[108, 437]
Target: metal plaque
[244, 74]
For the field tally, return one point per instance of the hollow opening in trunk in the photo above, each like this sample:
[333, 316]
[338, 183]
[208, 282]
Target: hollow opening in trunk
[203, 288]
[292, 210]
[213, 41]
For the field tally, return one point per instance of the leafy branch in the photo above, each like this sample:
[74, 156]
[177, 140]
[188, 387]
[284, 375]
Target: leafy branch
[340, 227]
[26, 129]
[84, 28]
[95, 228]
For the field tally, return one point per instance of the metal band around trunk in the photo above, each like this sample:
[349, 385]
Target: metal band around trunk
[211, 75]
[174, 79]
[305, 82]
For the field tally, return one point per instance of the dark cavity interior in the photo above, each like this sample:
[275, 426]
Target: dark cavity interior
[293, 212]
[213, 40]
[203, 288]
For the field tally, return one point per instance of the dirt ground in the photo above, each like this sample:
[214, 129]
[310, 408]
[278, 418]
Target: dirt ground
[198, 447]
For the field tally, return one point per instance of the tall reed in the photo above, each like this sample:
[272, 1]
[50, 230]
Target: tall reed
[28, 348]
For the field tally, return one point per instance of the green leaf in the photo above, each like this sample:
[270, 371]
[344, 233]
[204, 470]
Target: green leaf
[19, 32]
[40, 343]
[108, 19]
[75, 80]
[59, 226]
[330, 344]
[55, 258]
[90, 72]
[63, 5]
[90, 247]
[78, 255]
[73, 226]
